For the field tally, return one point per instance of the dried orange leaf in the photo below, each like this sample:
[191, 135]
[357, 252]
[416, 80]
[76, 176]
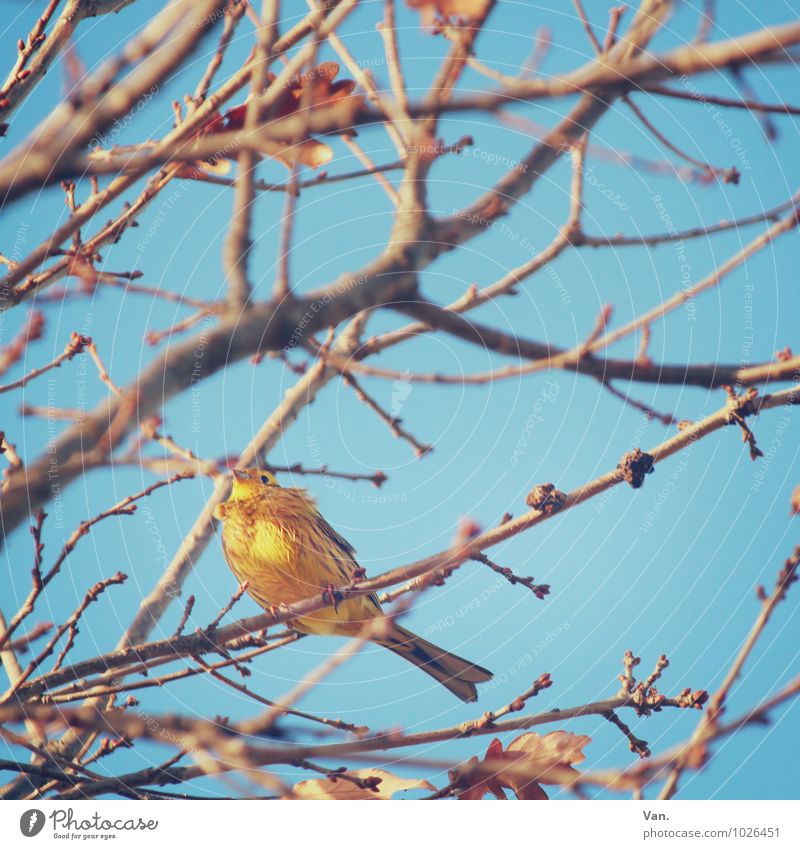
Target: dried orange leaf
[377, 784]
[431, 9]
[529, 761]
[556, 749]
[314, 89]
[545, 760]
[311, 152]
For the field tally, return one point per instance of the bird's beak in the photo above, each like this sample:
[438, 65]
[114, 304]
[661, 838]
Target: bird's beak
[239, 474]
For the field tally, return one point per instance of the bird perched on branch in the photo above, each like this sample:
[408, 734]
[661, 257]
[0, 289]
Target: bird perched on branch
[275, 539]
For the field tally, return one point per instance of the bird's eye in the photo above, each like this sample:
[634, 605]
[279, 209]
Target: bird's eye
[264, 479]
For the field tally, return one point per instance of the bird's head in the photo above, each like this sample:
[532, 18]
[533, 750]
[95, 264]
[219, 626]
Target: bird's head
[250, 483]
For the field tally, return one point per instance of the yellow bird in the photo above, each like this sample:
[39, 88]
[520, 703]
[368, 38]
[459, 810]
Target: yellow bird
[275, 539]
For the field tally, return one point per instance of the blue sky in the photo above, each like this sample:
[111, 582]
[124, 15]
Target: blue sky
[670, 568]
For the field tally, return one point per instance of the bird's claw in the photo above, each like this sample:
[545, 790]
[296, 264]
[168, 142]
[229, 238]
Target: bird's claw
[331, 596]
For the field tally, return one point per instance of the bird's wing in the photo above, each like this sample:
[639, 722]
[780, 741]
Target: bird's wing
[335, 538]
[231, 560]
[343, 553]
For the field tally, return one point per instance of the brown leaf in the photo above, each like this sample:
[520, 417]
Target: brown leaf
[431, 9]
[372, 784]
[559, 749]
[316, 88]
[529, 761]
[481, 782]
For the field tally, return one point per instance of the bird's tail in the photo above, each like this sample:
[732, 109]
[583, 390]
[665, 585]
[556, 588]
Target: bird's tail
[458, 675]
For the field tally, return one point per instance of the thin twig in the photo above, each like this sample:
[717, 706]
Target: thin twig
[377, 479]
[69, 626]
[786, 577]
[539, 590]
[728, 102]
[392, 422]
[233, 14]
[74, 347]
[360, 730]
[187, 612]
[126, 507]
[728, 175]
[638, 746]
[229, 605]
[388, 30]
[515, 705]
[282, 277]
[370, 167]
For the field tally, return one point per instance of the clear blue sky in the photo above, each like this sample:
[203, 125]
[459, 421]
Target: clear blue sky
[681, 583]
